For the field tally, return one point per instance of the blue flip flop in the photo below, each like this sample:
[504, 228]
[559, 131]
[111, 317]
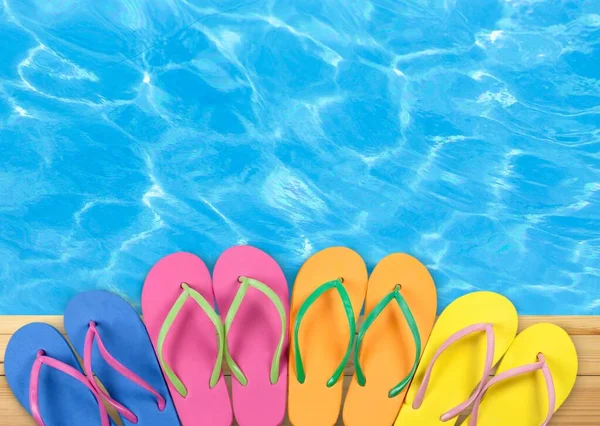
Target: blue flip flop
[116, 348]
[45, 376]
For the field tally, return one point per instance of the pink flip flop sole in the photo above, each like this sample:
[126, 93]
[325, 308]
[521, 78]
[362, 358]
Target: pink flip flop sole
[254, 334]
[191, 346]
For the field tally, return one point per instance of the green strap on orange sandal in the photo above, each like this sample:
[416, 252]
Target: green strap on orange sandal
[246, 283]
[323, 316]
[310, 300]
[187, 293]
[373, 315]
[400, 307]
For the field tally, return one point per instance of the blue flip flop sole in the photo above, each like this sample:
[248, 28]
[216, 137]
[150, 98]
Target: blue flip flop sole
[62, 399]
[127, 340]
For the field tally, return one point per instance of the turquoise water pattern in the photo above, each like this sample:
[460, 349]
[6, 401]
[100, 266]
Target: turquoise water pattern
[462, 132]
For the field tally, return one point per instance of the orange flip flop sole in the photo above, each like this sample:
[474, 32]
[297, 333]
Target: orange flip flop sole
[388, 349]
[324, 334]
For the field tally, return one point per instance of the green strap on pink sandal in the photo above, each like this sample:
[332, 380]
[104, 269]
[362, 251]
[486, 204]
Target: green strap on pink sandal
[188, 293]
[246, 283]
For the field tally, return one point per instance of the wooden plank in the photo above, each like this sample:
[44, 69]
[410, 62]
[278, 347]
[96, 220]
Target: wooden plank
[574, 325]
[581, 409]
[9, 324]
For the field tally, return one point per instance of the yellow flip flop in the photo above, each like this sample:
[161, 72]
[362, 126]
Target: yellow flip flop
[533, 380]
[400, 311]
[326, 300]
[469, 338]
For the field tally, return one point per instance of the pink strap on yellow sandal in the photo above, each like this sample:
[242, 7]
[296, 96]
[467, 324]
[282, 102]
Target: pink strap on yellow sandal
[92, 335]
[42, 359]
[518, 371]
[529, 393]
[489, 360]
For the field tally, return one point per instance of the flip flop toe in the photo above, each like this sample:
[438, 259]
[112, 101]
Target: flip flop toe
[468, 339]
[44, 374]
[533, 380]
[188, 337]
[400, 310]
[252, 293]
[116, 348]
[328, 294]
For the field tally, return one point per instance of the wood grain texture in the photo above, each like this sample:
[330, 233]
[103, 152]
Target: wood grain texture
[581, 409]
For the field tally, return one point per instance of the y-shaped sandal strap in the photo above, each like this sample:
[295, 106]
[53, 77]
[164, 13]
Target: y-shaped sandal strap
[42, 359]
[373, 315]
[489, 360]
[93, 335]
[246, 283]
[186, 294]
[518, 371]
[338, 285]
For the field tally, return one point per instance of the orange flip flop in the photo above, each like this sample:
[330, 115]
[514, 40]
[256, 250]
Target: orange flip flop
[399, 314]
[326, 300]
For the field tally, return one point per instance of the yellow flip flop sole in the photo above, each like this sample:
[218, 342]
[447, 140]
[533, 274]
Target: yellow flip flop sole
[460, 368]
[523, 400]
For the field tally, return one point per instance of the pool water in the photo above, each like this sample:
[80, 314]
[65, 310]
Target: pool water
[465, 133]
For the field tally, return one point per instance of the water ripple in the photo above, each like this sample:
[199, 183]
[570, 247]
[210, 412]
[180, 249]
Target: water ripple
[467, 137]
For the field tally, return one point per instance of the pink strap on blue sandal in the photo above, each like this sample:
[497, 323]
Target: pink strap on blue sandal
[34, 385]
[117, 350]
[44, 374]
[92, 335]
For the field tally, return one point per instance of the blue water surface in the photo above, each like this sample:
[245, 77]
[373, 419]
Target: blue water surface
[463, 132]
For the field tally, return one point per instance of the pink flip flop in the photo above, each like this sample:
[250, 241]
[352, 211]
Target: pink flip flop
[251, 290]
[188, 337]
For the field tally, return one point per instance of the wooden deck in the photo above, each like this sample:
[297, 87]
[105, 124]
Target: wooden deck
[582, 408]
